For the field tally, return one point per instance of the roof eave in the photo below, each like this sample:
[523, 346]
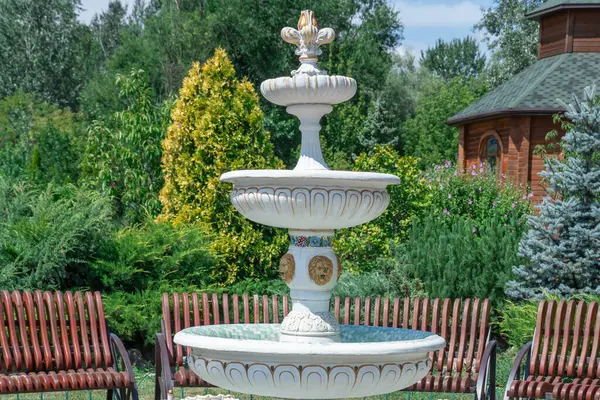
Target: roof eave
[537, 14]
[455, 121]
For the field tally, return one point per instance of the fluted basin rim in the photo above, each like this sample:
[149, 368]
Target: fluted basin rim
[317, 177]
[415, 342]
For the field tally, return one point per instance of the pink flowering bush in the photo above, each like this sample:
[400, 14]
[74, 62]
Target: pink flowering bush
[475, 194]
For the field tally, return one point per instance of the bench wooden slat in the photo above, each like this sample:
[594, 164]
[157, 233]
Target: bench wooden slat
[466, 314]
[275, 308]
[474, 324]
[592, 311]
[226, 310]
[357, 302]
[236, 309]
[593, 363]
[265, 308]
[286, 306]
[377, 312]
[386, 312]
[196, 306]
[39, 304]
[215, 309]
[347, 311]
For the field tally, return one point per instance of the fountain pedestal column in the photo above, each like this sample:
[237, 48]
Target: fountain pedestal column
[311, 269]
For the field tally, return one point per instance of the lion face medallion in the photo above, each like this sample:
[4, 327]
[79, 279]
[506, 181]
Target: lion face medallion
[287, 267]
[320, 270]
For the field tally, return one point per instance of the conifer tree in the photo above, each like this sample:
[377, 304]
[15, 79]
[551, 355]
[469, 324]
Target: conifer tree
[217, 127]
[563, 243]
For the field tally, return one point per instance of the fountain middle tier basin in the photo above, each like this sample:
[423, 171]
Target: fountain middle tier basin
[249, 358]
[310, 199]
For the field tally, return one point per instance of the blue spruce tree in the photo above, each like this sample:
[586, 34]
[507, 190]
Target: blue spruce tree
[563, 244]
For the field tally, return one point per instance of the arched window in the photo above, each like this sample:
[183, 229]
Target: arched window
[490, 153]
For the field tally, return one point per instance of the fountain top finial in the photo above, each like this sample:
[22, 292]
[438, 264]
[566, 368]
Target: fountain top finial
[308, 37]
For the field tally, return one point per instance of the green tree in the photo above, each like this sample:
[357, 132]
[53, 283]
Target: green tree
[174, 34]
[457, 58]
[40, 49]
[123, 154]
[562, 247]
[426, 135]
[510, 36]
[39, 142]
[217, 127]
[107, 27]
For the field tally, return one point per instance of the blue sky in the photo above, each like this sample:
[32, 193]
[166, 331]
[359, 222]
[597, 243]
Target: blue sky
[427, 20]
[424, 20]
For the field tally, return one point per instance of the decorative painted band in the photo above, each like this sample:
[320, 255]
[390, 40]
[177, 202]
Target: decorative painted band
[311, 241]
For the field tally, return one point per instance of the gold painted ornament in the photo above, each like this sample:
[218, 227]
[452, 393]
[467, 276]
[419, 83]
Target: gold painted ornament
[287, 267]
[320, 270]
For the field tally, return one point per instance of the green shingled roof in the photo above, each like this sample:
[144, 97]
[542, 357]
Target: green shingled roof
[555, 4]
[536, 89]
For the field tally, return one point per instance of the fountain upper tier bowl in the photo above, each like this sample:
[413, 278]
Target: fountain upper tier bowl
[368, 360]
[310, 199]
[307, 89]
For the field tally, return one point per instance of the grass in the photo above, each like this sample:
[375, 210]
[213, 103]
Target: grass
[145, 382]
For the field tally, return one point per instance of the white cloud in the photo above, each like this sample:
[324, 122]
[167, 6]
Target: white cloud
[417, 14]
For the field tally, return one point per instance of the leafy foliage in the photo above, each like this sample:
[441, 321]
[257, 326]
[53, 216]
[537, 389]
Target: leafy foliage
[356, 246]
[466, 245]
[217, 127]
[136, 265]
[510, 36]
[518, 320]
[122, 155]
[426, 135]
[475, 193]
[459, 58]
[454, 259]
[563, 245]
[38, 142]
[41, 49]
[48, 236]
[388, 279]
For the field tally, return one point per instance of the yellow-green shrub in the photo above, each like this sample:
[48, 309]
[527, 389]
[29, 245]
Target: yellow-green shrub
[217, 127]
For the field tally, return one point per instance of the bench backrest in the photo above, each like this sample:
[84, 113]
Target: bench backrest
[52, 331]
[463, 323]
[566, 340]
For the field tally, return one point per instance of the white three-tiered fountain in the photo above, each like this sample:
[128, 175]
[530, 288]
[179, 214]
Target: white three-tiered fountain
[310, 355]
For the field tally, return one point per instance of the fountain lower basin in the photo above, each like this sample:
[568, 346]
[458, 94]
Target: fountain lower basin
[313, 199]
[249, 358]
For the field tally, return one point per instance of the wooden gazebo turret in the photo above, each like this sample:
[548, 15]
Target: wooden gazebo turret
[502, 128]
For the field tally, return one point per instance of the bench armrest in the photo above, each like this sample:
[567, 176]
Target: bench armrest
[164, 373]
[125, 361]
[515, 372]
[487, 373]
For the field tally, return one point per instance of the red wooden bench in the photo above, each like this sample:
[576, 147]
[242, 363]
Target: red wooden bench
[562, 361]
[60, 342]
[467, 365]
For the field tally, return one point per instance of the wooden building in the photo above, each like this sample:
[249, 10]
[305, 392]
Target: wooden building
[502, 128]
